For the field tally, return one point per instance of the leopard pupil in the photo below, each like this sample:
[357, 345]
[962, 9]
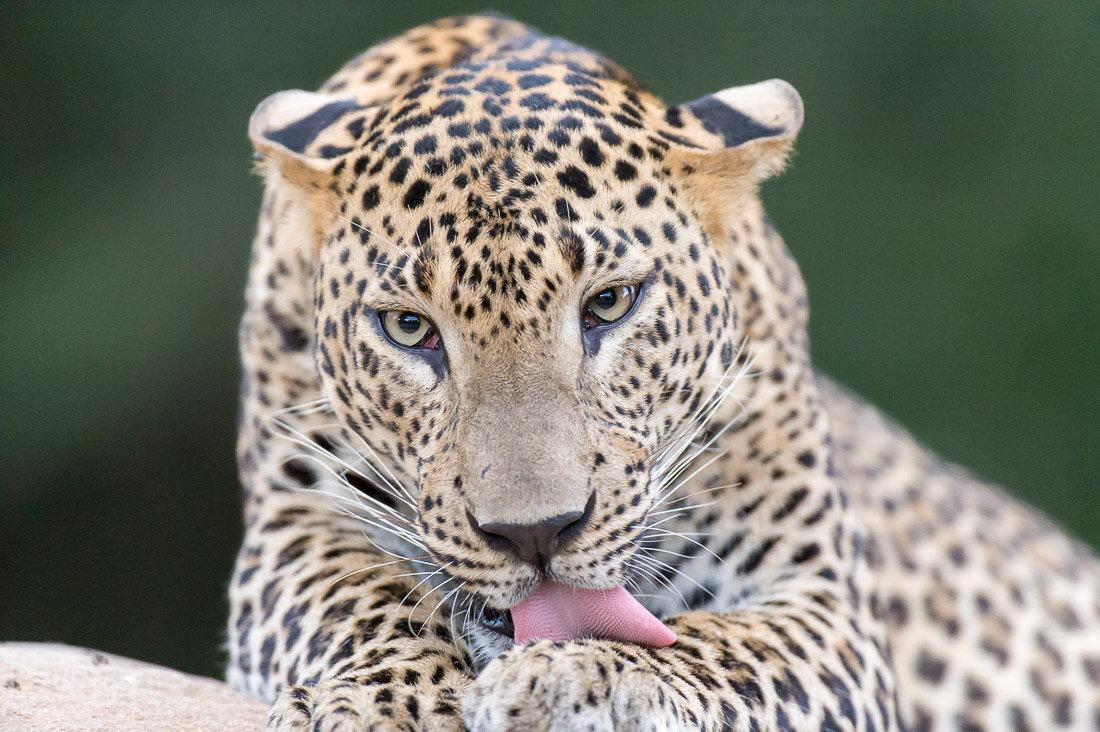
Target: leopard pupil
[408, 322]
[606, 300]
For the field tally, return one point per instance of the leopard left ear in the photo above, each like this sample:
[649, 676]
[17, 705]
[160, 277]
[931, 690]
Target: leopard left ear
[294, 133]
[752, 128]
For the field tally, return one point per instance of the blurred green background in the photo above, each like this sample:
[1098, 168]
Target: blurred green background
[944, 206]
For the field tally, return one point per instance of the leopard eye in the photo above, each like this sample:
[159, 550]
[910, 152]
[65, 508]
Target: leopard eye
[409, 329]
[609, 305]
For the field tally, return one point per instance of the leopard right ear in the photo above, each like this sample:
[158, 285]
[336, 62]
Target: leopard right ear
[754, 127]
[293, 133]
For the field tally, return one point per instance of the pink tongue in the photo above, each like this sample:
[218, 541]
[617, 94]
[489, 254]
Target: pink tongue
[561, 613]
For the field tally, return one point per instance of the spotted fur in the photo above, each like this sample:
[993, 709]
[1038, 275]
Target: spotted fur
[821, 569]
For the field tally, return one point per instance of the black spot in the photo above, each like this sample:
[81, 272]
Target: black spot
[572, 248]
[266, 651]
[371, 198]
[328, 152]
[355, 127]
[806, 553]
[459, 129]
[546, 157]
[576, 180]
[930, 668]
[756, 557]
[400, 170]
[646, 196]
[415, 121]
[625, 171]
[578, 80]
[525, 64]
[493, 85]
[590, 152]
[670, 233]
[609, 135]
[416, 193]
[558, 137]
[530, 81]
[450, 108]
[293, 337]
[564, 210]
[576, 105]
[537, 101]
[425, 145]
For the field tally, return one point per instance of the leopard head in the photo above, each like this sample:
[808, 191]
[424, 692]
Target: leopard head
[531, 280]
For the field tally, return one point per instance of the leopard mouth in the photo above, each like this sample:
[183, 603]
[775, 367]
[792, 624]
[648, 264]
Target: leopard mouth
[497, 621]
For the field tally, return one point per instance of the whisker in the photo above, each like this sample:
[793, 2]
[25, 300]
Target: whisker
[418, 560]
[702, 416]
[378, 510]
[683, 509]
[300, 438]
[699, 493]
[418, 584]
[682, 534]
[669, 491]
[340, 579]
[657, 577]
[391, 482]
[304, 440]
[689, 578]
[696, 416]
[385, 467]
[440, 604]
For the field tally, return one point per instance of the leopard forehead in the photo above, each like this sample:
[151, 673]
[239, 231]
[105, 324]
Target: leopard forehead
[500, 184]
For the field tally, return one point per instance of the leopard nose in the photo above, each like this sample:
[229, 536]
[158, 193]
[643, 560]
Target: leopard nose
[535, 543]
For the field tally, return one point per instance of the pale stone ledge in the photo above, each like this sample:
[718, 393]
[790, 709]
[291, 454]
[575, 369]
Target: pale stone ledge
[56, 687]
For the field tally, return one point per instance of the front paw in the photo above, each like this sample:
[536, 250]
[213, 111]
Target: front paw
[585, 685]
[343, 705]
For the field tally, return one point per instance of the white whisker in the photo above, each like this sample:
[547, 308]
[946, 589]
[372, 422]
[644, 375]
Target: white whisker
[441, 603]
[341, 578]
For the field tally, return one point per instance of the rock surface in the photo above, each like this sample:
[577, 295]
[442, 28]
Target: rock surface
[56, 687]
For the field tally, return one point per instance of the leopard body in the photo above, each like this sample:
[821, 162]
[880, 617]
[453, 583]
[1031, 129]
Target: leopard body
[821, 569]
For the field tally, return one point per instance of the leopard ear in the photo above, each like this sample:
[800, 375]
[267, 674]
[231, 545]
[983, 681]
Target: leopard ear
[293, 133]
[752, 128]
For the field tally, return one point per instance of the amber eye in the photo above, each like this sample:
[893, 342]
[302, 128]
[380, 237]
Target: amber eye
[609, 305]
[409, 329]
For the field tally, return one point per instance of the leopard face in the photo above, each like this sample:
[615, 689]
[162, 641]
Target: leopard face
[524, 299]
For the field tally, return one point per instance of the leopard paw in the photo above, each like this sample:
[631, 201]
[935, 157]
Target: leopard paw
[583, 685]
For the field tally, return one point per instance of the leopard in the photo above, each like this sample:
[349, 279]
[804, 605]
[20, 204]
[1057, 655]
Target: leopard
[512, 322]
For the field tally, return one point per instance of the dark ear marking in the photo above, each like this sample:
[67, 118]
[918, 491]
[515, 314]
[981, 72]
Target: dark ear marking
[769, 110]
[286, 128]
[753, 129]
[723, 120]
[297, 135]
